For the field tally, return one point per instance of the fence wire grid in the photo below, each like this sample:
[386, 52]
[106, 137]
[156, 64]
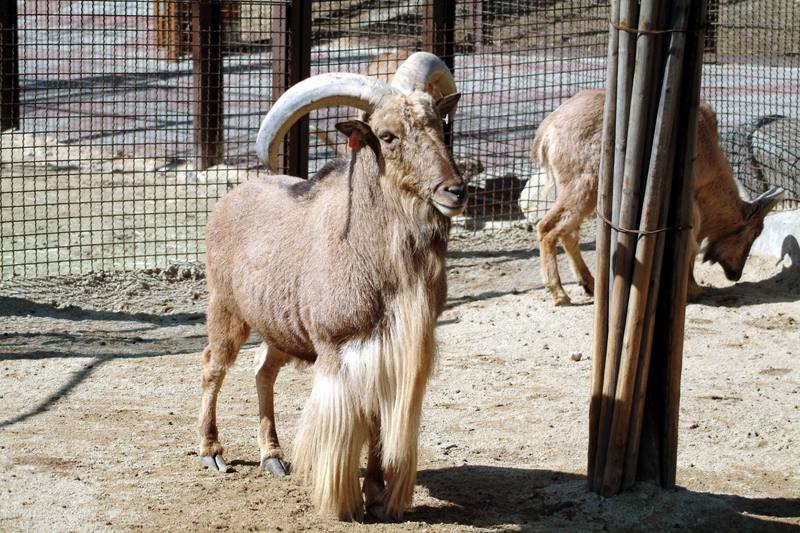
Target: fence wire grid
[135, 116]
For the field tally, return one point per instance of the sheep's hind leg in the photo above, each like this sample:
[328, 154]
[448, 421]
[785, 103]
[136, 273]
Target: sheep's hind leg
[548, 231]
[579, 268]
[269, 361]
[226, 333]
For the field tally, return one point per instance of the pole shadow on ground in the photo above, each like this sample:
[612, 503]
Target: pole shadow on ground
[545, 500]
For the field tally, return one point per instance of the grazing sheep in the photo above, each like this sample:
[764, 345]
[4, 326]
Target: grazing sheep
[567, 146]
[345, 271]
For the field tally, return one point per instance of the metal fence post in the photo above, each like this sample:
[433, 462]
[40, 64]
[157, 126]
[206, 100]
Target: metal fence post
[291, 63]
[438, 38]
[479, 23]
[712, 21]
[9, 66]
[208, 81]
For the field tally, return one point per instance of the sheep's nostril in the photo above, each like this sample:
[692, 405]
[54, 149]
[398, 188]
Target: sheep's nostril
[459, 191]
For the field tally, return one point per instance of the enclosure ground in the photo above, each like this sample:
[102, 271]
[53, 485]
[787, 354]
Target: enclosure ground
[99, 388]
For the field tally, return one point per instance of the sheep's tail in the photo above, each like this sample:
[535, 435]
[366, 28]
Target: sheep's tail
[328, 446]
[539, 154]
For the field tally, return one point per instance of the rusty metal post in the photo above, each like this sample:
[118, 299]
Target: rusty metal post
[9, 66]
[712, 21]
[208, 81]
[479, 23]
[291, 63]
[438, 38]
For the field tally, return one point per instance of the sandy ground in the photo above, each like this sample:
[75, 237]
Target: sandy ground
[99, 388]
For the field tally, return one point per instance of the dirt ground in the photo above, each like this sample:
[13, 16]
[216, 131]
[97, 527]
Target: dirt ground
[99, 388]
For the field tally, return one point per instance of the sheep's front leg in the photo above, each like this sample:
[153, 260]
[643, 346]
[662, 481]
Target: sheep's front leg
[328, 444]
[400, 423]
[269, 361]
[374, 487]
[694, 291]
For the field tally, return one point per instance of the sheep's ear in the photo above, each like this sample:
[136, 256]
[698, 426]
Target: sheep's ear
[447, 105]
[357, 132]
[764, 203]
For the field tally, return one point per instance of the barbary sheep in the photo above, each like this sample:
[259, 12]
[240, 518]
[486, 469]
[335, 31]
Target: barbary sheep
[345, 271]
[567, 146]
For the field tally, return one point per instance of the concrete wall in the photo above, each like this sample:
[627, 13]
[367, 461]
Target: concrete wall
[781, 236]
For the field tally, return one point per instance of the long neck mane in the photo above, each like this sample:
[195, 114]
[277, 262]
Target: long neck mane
[394, 232]
[379, 210]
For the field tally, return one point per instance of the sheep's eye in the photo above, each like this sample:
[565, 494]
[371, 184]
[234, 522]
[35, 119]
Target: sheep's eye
[388, 137]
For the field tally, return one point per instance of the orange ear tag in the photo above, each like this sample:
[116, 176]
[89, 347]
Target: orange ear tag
[354, 141]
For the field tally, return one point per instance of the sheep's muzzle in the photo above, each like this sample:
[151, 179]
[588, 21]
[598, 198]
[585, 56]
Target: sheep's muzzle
[450, 197]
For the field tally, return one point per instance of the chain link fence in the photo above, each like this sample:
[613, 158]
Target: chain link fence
[125, 120]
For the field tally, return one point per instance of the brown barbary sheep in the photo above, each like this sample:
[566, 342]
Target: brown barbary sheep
[345, 271]
[567, 146]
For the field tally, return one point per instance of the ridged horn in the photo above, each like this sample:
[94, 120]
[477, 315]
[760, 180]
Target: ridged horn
[423, 71]
[322, 90]
[764, 203]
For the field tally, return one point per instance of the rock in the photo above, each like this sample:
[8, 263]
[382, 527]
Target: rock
[776, 153]
[535, 198]
[575, 356]
[496, 199]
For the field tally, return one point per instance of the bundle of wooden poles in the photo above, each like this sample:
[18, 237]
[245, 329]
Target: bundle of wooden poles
[644, 218]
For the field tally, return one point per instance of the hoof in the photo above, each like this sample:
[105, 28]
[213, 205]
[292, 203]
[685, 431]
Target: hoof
[562, 300]
[215, 463]
[377, 513]
[274, 466]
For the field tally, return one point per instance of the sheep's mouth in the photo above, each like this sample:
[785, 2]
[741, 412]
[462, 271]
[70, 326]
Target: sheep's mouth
[449, 204]
[732, 274]
[449, 209]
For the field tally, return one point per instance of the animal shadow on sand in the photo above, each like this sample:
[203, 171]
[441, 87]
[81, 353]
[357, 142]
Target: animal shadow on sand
[15, 306]
[545, 500]
[782, 287]
[145, 335]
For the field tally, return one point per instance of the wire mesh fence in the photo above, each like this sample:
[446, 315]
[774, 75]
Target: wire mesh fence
[752, 79]
[135, 116]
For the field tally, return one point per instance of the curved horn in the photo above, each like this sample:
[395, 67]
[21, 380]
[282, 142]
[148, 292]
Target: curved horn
[423, 71]
[322, 90]
[765, 201]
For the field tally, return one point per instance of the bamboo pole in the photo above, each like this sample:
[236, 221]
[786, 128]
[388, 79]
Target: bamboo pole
[629, 209]
[623, 437]
[638, 132]
[628, 11]
[680, 255]
[640, 307]
[604, 200]
[662, 160]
